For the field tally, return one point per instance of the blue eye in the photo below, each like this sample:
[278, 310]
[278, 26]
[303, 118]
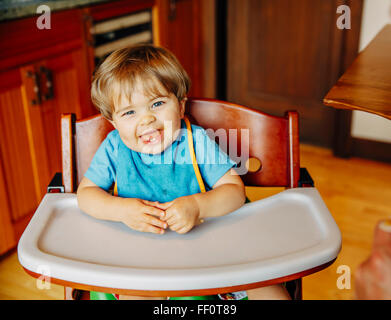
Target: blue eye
[157, 104]
[129, 113]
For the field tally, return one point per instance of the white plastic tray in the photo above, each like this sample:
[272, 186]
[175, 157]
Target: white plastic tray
[281, 235]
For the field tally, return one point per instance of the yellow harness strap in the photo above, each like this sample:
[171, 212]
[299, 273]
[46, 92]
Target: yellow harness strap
[193, 156]
[193, 159]
[115, 192]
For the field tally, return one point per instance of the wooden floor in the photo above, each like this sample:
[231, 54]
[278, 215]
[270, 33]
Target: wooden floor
[356, 191]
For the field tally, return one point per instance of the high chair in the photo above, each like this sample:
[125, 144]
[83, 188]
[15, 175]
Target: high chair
[273, 161]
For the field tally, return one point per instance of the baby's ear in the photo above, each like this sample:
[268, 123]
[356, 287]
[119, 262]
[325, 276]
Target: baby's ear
[112, 123]
[182, 106]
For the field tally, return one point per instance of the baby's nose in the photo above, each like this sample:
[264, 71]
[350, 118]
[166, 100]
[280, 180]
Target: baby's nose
[147, 119]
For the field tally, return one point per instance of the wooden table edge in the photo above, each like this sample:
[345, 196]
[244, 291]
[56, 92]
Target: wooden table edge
[183, 293]
[348, 106]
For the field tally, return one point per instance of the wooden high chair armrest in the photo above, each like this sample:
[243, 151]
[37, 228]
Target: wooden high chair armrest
[56, 186]
[305, 179]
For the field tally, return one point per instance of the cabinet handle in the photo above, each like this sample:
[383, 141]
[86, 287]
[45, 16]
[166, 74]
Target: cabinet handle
[36, 88]
[172, 10]
[48, 83]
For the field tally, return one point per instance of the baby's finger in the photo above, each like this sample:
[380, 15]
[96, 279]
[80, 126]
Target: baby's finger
[164, 205]
[183, 230]
[154, 221]
[170, 219]
[169, 215]
[154, 211]
[176, 226]
[151, 203]
[150, 228]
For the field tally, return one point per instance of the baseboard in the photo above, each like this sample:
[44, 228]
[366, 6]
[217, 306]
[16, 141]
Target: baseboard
[369, 149]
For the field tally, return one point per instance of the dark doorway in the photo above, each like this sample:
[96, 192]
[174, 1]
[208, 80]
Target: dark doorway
[278, 55]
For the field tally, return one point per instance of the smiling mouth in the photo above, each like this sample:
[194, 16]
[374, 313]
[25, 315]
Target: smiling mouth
[151, 136]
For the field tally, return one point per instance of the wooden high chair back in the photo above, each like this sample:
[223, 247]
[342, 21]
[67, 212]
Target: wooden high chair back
[273, 142]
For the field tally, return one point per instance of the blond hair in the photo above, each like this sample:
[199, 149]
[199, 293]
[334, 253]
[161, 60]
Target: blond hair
[118, 73]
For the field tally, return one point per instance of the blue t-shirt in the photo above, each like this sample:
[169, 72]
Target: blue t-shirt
[160, 177]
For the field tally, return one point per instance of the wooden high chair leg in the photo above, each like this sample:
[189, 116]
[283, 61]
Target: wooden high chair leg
[294, 288]
[75, 294]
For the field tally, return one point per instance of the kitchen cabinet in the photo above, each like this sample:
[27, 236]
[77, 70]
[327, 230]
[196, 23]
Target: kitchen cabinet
[39, 80]
[47, 72]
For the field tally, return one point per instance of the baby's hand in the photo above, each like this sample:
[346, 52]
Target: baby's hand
[140, 215]
[182, 214]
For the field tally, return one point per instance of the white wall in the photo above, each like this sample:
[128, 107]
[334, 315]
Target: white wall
[376, 14]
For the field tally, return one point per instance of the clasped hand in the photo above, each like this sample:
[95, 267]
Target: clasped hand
[181, 214]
